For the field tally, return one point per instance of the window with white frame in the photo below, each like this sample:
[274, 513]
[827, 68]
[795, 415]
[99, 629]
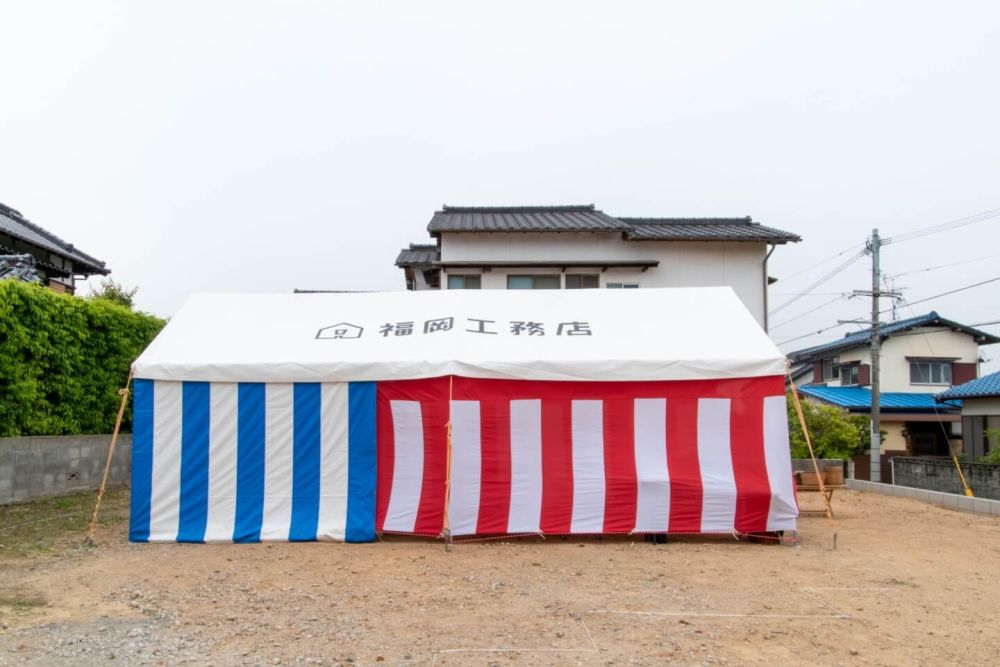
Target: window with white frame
[927, 371]
[464, 282]
[623, 285]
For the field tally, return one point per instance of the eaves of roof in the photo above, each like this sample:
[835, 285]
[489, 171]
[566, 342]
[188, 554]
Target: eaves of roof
[16, 225]
[418, 254]
[860, 399]
[705, 229]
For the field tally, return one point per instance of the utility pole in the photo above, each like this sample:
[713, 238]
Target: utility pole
[873, 246]
[876, 457]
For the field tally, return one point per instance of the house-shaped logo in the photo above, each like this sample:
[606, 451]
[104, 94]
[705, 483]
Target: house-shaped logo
[340, 330]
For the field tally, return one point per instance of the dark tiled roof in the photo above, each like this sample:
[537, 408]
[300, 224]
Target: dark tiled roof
[986, 386]
[862, 337]
[418, 254]
[581, 218]
[586, 218]
[860, 398]
[16, 225]
[705, 229]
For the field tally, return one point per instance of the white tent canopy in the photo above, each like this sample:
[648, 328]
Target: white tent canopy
[645, 334]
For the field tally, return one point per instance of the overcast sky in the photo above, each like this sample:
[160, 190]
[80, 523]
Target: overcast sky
[272, 145]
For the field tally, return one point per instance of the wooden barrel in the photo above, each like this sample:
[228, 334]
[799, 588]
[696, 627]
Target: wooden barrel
[833, 475]
[808, 478]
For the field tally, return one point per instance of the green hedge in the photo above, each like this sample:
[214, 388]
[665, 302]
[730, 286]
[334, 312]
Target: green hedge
[63, 360]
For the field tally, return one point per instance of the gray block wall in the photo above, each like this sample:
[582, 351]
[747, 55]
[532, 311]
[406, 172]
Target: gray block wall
[941, 475]
[947, 500]
[49, 466]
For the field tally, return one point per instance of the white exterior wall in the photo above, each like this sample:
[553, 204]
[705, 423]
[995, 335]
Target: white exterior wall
[418, 279]
[895, 368]
[894, 365]
[682, 263]
[981, 407]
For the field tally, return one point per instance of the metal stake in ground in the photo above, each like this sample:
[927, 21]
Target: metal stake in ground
[107, 465]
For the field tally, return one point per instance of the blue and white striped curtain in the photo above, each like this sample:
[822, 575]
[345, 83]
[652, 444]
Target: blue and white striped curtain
[252, 462]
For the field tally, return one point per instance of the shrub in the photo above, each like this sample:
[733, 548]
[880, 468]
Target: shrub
[993, 457]
[63, 359]
[834, 434]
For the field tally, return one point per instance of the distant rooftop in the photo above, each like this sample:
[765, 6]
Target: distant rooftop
[418, 254]
[587, 218]
[984, 387]
[16, 225]
[855, 338]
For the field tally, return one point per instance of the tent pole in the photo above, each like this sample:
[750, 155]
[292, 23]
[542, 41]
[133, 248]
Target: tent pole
[812, 454]
[446, 532]
[107, 465]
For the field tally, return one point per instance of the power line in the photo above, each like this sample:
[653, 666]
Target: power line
[853, 258]
[908, 236]
[813, 310]
[941, 266]
[958, 289]
[810, 294]
[812, 333]
[823, 261]
[946, 226]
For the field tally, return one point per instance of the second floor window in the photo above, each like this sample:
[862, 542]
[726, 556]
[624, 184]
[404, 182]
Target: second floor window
[830, 368]
[623, 285]
[930, 372]
[533, 282]
[464, 282]
[581, 281]
[849, 375]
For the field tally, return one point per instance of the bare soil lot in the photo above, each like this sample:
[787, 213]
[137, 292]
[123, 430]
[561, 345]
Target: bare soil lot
[907, 584]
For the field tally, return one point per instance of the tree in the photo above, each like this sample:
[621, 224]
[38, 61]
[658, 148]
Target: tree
[834, 434]
[114, 292]
[994, 455]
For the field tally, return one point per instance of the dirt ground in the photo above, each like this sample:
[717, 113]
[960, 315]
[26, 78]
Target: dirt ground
[908, 583]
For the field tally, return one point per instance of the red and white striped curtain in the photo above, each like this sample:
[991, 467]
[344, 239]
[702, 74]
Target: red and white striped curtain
[583, 457]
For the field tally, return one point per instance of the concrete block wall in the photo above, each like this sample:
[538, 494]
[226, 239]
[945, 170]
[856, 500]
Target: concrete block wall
[949, 500]
[941, 475]
[806, 465]
[49, 466]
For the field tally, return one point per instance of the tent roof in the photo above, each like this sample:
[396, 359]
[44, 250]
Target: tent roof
[645, 334]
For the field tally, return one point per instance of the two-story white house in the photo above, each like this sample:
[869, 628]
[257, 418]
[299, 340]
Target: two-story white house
[920, 357]
[578, 247]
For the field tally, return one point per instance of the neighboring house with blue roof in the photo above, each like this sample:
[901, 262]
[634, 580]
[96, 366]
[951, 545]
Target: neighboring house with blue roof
[57, 263]
[980, 411]
[580, 247]
[921, 356]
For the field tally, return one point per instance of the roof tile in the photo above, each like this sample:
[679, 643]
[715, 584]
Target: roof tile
[418, 254]
[988, 385]
[705, 229]
[860, 398]
[887, 329]
[586, 218]
[16, 225]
